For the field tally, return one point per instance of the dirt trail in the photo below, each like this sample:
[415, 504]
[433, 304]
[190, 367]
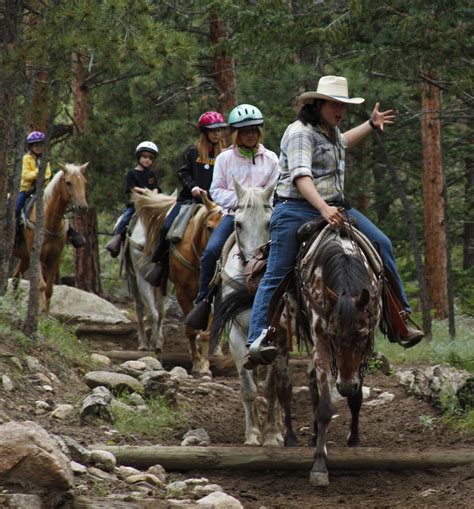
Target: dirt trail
[394, 425]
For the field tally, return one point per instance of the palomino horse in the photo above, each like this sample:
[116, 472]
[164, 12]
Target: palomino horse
[232, 309]
[184, 259]
[66, 189]
[340, 292]
[147, 298]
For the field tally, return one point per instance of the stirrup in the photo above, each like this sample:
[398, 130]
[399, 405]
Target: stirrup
[261, 351]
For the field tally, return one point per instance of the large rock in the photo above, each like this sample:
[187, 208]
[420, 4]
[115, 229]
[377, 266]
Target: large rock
[31, 457]
[116, 382]
[434, 383]
[92, 313]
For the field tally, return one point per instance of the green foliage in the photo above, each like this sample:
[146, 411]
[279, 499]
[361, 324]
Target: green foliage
[159, 421]
[454, 415]
[58, 338]
[440, 350]
[427, 421]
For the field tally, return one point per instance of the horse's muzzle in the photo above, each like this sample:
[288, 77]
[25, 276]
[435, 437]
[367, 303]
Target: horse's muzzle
[81, 209]
[347, 389]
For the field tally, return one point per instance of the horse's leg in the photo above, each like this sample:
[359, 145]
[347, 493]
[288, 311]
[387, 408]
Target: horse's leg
[313, 391]
[148, 296]
[204, 367]
[319, 473]
[139, 312]
[355, 402]
[161, 305]
[273, 425]
[248, 388]
[284, 388]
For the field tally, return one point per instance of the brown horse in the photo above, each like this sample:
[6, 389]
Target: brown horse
[340, 294]
[184, 258]
[66, 189]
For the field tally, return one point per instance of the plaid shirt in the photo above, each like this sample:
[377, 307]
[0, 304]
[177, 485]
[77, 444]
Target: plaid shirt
[307, 151]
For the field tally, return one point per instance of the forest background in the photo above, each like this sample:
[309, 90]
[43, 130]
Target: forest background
[99, 77]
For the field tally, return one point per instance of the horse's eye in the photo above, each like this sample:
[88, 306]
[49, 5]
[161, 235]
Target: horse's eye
[238, 224]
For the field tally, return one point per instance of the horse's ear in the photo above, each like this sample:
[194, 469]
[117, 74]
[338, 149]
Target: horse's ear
[331, 295]
[363, 298]
[268, 192]
[84, 166]
[238, 189]
[63, 167]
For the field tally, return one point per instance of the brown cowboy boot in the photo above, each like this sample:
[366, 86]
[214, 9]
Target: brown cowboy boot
[198, 317]
[413, 333]
[113, 246]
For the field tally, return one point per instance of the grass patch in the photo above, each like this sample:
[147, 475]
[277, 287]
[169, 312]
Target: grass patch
[57, 338]
[458, 353]
[159, 421]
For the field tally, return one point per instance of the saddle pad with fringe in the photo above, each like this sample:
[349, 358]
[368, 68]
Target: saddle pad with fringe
[328, 233]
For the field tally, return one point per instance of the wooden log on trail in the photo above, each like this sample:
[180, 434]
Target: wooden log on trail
[295, 458]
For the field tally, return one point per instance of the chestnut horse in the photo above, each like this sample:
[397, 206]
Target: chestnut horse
[184, 258]
[66, 189]
[339, 281]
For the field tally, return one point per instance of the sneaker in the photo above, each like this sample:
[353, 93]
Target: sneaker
[198, 317]
[114, 245]
[261, 351]
[77, 240]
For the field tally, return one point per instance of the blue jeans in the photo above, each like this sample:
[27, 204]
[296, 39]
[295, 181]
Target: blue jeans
[287, 217]
[124, 220]
[20, 203]
[212, 253]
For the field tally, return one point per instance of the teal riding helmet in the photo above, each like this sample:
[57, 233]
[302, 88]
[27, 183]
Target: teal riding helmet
[245, 115]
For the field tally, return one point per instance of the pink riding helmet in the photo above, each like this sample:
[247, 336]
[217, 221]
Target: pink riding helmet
[211, 120]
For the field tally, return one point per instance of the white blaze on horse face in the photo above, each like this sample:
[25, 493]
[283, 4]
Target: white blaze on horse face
[252, 219]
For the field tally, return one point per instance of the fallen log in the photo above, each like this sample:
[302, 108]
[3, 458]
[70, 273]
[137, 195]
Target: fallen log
[297, 458]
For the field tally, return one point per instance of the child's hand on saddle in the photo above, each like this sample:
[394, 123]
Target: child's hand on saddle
[197, 192]
[140, 190]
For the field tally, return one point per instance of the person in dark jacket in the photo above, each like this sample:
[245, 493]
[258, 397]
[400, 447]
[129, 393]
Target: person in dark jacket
[141, 177]
[195, 174]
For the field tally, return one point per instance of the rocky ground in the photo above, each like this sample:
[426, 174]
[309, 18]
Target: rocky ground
[397, 421]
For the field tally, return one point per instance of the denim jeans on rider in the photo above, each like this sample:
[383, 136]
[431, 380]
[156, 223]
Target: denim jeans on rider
[124, 220]
[212, 252]
[20, 203]
[287, 217]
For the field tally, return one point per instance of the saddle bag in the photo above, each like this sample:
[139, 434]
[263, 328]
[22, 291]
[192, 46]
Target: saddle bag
[256, 267]
[178, 226]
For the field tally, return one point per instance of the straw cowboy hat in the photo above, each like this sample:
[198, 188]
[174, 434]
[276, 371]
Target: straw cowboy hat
[332, 88]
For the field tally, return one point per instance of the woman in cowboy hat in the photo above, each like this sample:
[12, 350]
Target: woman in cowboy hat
[311, 184]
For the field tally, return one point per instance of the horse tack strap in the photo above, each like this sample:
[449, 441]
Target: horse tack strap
[175, 252]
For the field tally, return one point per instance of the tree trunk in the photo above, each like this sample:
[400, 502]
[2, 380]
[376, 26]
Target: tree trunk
[468, 236]
[436, 257]
[294, 458]
[10, 81]
[31, 322]
[87, 257]
[224, 65]
[420, 270]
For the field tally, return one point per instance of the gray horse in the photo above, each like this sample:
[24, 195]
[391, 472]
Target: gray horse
[147, 298]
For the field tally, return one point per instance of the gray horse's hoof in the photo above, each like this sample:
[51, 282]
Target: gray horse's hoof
[319, 479]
